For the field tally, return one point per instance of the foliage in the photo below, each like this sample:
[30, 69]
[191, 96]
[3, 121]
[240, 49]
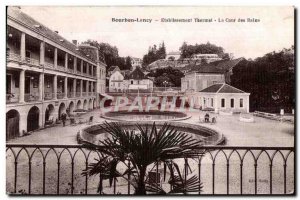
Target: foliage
[138, 151]
[111, 55]
[270, 80]
[154, 54]
[188, 50]
[169, 74]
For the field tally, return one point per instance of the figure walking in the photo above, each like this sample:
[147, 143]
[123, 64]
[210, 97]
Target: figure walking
[63, 118]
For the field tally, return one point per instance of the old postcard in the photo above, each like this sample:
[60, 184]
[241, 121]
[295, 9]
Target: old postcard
[150, 100]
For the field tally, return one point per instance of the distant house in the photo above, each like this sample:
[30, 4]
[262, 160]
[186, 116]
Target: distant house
[116, 80]
[136, 62]
[203, 76]
[173, 55]
[138, 80]
[206, 57]
[120, 81]
[222, 97]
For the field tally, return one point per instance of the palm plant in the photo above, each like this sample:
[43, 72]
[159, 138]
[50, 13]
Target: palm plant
[140, 150]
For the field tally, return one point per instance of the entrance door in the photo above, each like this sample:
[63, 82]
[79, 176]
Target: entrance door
[12, 124]
[33, 119]
[27, 85]
[8, 84]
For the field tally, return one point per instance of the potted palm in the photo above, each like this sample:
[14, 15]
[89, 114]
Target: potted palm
[138, 149]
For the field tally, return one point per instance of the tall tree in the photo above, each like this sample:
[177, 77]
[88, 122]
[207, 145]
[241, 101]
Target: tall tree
[154, 54]
[188, 50]
[270, 80]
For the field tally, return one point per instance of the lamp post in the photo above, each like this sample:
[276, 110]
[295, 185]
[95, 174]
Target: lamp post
[165, 84]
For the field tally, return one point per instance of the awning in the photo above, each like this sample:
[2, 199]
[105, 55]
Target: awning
[106, 96]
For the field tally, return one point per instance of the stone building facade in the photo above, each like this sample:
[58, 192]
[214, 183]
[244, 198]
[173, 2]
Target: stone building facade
[46, 75]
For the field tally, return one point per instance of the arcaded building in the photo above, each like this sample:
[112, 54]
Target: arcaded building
[47, 75]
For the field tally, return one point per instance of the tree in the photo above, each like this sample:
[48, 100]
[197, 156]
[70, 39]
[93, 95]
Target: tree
[128, 63]
[154, 54]
[138, 151]
[111, 55]
[270, 80]
[173, 76]
[188, 50]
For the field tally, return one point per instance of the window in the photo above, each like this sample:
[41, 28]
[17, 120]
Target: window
[241, 103]
[232, 103]
[222, 103]
[212, 102]
[131, 82]
[17, 81]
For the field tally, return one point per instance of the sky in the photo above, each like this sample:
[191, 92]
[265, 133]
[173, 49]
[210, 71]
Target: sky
[273, 32]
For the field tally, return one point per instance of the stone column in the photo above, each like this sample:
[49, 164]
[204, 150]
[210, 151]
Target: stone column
[81, 66]
[55, 87]
[81, 86]
[92, 86]
[87, 88]
[66, 87]
[87, 68]
[42, 53]
[75, 64]
[23, 47]
[22, 86]
[74, 87]
[55, 57]
[66, 60]
[41, 87]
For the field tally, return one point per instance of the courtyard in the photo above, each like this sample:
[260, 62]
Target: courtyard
[262, 133]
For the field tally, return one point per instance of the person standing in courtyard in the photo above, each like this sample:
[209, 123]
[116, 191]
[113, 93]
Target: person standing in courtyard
[63, 118]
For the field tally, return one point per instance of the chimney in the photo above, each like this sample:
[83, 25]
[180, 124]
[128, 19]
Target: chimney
[74, 42]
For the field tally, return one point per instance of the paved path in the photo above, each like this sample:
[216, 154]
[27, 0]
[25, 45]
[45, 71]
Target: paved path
[263, 132]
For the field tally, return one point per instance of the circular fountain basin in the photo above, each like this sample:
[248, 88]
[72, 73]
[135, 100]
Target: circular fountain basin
[206, 136]
[145, 116]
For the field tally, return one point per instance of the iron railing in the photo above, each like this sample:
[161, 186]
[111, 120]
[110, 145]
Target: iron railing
[13, 57]
[60, 95]
[12, 98]
[49, 65]
[31, 97]
[49, 96]
[229, 170]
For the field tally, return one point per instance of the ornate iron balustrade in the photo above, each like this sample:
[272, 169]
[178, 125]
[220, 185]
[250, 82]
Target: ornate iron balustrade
[12, 98]
[13, 56]
[49, 65]
[56, 169]
[31, 97]
[49, 96]
[60, 95]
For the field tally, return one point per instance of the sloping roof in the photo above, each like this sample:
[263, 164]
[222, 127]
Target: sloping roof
[213, 88]
[137, 74]
[219, 67]
[221, 88]
[113, 68]
[17, 15]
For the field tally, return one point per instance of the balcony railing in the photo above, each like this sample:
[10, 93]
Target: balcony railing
[12, 98]
[49, 65]
[77, 94]
[32, 61]
[31, 97]
[49, 96]
[84, 94]
[61, 68]
[71, 70]
[70, 94]
[60, 95]
[229, 170]
[12, 56]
